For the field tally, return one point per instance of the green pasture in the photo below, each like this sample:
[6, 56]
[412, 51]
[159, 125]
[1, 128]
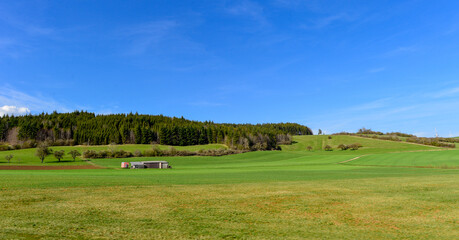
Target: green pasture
[389, 190]
[27, 156]
[445, 159]
[370, 145]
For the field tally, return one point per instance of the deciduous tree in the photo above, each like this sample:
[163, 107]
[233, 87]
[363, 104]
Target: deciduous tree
[74, 154]
[59, 155]
[9, 157]
[43, 151]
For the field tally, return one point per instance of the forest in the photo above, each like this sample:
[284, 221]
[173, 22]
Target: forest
[81, 127]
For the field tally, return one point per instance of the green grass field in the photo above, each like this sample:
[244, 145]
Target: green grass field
[27, 157]
[393, 190]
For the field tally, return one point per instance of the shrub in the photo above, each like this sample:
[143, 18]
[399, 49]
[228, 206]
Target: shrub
[343, 147]
[157, 151]
[90, 154]
[137, 153]
[355, 146]
[29, 144]
[309, 148]
[328, 148]
[5, 148]
[122, 154]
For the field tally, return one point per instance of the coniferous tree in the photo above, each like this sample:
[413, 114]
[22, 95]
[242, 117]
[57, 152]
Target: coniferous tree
[87, 128]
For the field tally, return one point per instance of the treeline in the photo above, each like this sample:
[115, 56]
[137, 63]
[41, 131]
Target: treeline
[157, 152]
[395, 136]
[80, 127]
[449, 140]
[437, 142]
[371, 132]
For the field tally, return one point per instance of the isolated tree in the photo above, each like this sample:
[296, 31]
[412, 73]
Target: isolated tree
[309, 148]
[343, 147]
[74, 154]
[43, 151]
[59, 155]
[9, 157]
[320, 132]
[328, 148]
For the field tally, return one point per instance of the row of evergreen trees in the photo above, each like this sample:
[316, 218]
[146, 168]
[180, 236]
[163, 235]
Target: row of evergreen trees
[88, 128]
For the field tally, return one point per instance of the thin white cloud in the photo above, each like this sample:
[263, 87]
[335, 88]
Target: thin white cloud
[377, 104]
[29, 26]
[311, 5]
[326, 21]
[39, 103]
[397, 113]
[10, 47]
[13, 110]
[400, 50]
[250, 9]
[445, 93]
[331, 19]
[147, 35]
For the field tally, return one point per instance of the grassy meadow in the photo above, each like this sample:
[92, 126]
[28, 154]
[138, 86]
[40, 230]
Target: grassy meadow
[27, 156]
[385, 190]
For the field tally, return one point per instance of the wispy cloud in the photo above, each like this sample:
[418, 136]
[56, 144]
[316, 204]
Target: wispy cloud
[377, 70]
[379, 103]
[248, 9]
[21, 31]
[331, 19]
[147, 35]
[396, 113]
[400, 50]
[445, 93]
[28, 26]
[10, 47]
[312, 5]
[37, 103]
[326, 21]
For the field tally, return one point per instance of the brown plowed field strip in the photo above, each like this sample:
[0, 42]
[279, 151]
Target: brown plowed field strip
[48, 167]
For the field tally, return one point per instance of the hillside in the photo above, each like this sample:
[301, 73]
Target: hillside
[369, 145]
[384, 190]
[24, 157]
[91, 129]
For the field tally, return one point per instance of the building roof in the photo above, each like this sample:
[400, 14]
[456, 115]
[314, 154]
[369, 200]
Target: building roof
[155, 162]
[136, 163]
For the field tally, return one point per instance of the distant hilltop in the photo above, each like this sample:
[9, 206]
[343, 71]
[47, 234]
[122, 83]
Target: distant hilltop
[82, 127]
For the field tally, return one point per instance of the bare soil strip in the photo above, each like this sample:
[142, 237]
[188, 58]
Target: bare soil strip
[49, 167]
[352, 159]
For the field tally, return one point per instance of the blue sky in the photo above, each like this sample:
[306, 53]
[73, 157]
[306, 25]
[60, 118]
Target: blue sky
[334, 65]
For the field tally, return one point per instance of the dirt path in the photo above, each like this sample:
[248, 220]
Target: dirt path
[353, 159]
[93, 164]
